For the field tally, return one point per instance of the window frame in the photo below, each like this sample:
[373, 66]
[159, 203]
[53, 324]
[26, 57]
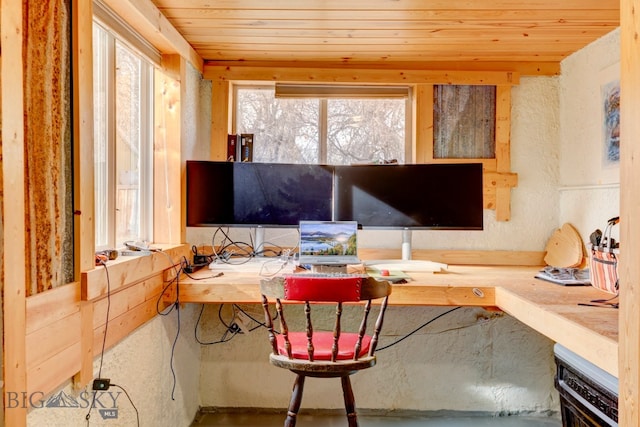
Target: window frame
[146, 132]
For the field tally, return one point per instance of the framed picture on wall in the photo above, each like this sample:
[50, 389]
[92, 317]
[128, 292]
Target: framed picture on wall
[610, 107]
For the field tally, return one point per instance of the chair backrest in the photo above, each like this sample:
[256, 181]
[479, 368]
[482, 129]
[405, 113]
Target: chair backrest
[308, 290]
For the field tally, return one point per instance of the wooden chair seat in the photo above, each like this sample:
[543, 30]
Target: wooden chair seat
[322, 345]
[323, 354]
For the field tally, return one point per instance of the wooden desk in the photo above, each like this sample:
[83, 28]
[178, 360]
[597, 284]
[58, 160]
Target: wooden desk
[550, 309]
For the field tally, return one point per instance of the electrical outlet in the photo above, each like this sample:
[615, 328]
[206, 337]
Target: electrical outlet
[243, 321]
[234, 328]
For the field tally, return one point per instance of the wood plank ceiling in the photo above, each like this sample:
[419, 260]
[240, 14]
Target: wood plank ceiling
[462, 34]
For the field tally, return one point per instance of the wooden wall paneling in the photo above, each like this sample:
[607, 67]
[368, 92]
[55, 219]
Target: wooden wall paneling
[64, 334]
[53, 322]
[126, 271]
[497, 187]
[50, 306]
[85, 375]
[629, 316]
[14, 244]
[220, 118]
[498, 180]
[126, 299]
[168, 210]
[121, 326]
[82, 76]
[423, 123]
[52, 339]
[489, 197]
[503, 151]
[54, 331]
[54, 371]
[129, 308]
[1, 263]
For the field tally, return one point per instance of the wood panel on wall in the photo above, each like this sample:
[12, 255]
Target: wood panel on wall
[1, 256]
[629, 317]
[14, 370]
[168, 212]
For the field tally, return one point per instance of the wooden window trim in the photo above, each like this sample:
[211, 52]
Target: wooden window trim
[497, 175]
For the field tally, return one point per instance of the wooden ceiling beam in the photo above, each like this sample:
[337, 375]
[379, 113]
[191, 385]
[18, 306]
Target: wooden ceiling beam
[369, 76]
[524, 68]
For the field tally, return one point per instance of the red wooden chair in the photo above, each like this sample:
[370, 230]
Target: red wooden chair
[323, 354]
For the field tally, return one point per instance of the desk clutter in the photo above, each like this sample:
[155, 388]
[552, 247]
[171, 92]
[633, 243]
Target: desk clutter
[603, 258]
[565, 276]
[394, 271]
[570, 263]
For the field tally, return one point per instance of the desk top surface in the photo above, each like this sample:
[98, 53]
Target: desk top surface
[551, 309]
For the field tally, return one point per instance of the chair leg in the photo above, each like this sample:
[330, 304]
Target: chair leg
[296, 400]
[349, 401]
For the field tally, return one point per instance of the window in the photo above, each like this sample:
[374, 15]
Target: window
[123, 90]
[358, 128]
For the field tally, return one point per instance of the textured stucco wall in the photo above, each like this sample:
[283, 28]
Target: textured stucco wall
[470, 360]
[141, 364]
[589, 186]
[197, 108]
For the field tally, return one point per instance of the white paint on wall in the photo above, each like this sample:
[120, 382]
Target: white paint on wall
[589, 187]
[195, 142]
[582, 149]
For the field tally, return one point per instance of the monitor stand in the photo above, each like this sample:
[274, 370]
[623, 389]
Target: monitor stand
[258, 243]
[406, 244]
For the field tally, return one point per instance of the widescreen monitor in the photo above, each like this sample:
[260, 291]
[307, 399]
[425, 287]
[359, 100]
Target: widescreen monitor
[257, 194]
[416, 196]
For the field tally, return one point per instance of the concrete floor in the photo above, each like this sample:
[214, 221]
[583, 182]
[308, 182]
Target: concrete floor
[254, 419]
